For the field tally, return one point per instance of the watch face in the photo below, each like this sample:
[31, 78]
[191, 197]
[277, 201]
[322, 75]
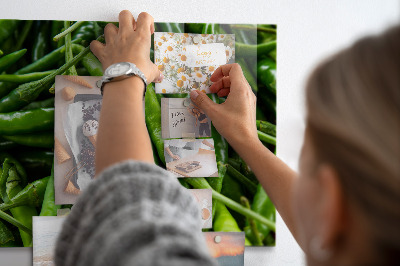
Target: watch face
[118, 69]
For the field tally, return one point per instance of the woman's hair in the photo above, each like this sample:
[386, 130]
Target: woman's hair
[353, 120]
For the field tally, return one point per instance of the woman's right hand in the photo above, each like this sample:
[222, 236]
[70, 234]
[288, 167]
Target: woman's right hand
[235, 119]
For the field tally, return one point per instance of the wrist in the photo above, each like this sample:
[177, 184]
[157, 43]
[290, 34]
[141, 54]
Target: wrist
[133, 85]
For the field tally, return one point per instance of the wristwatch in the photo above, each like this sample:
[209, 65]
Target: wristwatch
[120, 71]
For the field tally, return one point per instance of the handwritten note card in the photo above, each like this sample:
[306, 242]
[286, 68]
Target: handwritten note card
[205, 55]
[180, 118]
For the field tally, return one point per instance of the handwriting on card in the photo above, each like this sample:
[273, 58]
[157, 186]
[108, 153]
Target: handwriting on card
[210, 54]
[177, 118]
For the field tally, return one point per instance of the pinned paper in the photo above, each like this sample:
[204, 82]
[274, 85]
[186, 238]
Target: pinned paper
[188, 60]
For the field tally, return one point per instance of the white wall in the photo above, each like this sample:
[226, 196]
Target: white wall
[307, 32]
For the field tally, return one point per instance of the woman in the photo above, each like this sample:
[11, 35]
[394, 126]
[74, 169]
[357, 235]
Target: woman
[343, 208]
[201, 117]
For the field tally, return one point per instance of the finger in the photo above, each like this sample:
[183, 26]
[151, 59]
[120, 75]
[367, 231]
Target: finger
[97, 48]
[145, 22]
[126, 22]
[201, 100]
[110, 31]
[232, 70]
[223, 92]
[225, 82]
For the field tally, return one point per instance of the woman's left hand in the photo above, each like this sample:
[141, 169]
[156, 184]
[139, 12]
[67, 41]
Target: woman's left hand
[130, 42]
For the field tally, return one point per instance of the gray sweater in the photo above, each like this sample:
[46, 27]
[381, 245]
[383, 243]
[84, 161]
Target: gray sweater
[134, 213]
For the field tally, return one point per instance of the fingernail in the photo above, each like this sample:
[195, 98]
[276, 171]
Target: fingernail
[194, 94]
[160, 78]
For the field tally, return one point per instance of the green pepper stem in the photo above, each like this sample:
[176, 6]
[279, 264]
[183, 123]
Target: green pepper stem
[69, 64]
[240, 209]
[252, 187]
[4, 206]
[266, 138]
[15, 222]
[253, 227]
[23, 78]
[70, 29]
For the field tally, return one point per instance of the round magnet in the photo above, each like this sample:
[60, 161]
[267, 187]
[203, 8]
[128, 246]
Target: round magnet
[217, 239]
[187, 102]
[196, 39]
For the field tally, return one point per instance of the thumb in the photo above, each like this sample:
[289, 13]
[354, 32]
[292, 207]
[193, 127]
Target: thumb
[202, 101]
[157, 74]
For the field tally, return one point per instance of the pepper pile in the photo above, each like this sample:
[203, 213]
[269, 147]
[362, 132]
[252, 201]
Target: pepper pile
[28, 67]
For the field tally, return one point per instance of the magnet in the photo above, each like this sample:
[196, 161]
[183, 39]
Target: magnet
[196, 39]
[187, 102]
[217, 239]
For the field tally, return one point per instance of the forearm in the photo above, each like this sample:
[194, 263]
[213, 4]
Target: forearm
[122, 133]
[274, 175]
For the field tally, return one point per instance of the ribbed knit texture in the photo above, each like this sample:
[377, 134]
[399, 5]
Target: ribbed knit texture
[134, 213]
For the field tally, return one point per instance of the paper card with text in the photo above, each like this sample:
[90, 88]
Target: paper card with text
[188, 60]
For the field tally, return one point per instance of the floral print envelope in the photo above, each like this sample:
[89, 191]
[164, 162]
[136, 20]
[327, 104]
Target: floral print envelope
[188, 60]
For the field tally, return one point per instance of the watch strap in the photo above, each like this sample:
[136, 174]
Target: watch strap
[135, 71]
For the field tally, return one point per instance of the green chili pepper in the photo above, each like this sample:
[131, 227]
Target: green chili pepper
[171, 27]
[86, 32]
[6, 144]
[245, 50]
[250, 186]
[263, 205]
[68, 30]
[48, 207]
[41, 45]
[28, 92]
[266, 138]
[10, 59]
[21, 122]
[153, 120]
[32, 195]
[68, 51]
[266, 73]
[266, 127]
[7, 28]
[89, 61]
[40, 139]
[22, 214]
[8, 218]
[23, 34]
[6, 236]
[36, 161]
[45, 63]
[201, 183]
[21, 171]
[224, 221]
[193, 27]
[231, 188]
[24, 78]
[1, 52]
[40, 104]
[56, 27]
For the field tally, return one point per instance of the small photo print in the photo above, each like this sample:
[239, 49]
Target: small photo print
[45, 232]
[226, 247]
[77, 112]
[180, 118]
[204, 199]
[191, 157]
[188, 60]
